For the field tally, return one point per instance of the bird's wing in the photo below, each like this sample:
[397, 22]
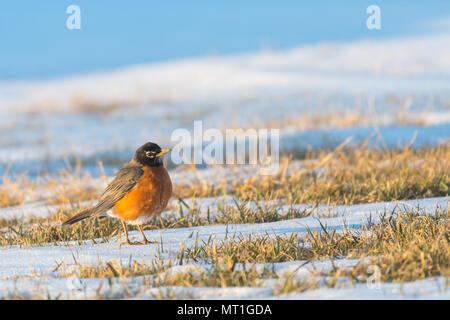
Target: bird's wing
[124, 181]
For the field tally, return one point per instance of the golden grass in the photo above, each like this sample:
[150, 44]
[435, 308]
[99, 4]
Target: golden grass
[11, 192]
[406, 247]
[342, 176]
[39, 231]
[9, 200]
[402, 233]
[44, 231]
[114, 269]
[409, 249]
[69, 186]
[251, 249]
[221, 275]
[158, 274]
[73, 186]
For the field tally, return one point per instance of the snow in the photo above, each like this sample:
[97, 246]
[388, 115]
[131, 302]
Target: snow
[45, 122]
[73, 288]
[26, 268]
[433, 288]
[213, 204]
[31, 210]
[399, 61]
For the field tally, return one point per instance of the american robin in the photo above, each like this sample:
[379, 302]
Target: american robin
[139, 192]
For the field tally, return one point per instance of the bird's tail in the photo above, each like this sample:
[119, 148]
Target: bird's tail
[78, 217]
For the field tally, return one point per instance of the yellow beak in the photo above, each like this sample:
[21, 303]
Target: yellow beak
[163, 151]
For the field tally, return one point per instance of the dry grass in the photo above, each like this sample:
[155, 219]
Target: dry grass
[114, 269]
[11, 192]
[405, 241]
[411, 248]
[220, 275]
[351, 176]
[158, 274]
[406, 247]
[9, 200]
[252, 249]
[342, 176]
[71, 185]
[40, 231]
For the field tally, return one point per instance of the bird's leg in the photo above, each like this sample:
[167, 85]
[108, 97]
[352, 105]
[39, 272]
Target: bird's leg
[126, 233]
[144, 239]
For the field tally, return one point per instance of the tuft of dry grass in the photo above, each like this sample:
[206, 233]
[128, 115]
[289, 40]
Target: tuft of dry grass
[406, 246]
[158, 274]
[251, 249]
[403, 248]
[9, 200]
[220, 275]
[346, 175]
[358, 175]
[11, 191]
[71, 185]
[39, 231]
[411, 248]
[115, 269]
[341, 176]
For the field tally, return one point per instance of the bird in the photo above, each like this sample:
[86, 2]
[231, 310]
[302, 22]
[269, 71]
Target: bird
[139, 192]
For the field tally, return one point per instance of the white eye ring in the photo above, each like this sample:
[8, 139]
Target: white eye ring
[148, 154]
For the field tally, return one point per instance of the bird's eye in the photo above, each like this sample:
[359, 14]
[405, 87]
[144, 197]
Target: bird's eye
[150, 154]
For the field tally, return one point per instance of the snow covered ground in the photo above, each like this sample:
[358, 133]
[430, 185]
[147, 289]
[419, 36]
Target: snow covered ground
[29, 271]
[389, 89]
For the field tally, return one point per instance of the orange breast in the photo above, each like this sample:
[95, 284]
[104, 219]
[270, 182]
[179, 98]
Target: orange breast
[150, 196]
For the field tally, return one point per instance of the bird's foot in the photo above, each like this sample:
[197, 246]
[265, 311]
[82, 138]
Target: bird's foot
[139, 242]
[145, 241]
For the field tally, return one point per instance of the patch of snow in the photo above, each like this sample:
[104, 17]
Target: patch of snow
[16, 261]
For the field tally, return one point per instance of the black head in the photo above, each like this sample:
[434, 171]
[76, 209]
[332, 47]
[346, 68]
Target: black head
[150, 155]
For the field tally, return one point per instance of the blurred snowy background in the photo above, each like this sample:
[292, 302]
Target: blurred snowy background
[137, 70]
